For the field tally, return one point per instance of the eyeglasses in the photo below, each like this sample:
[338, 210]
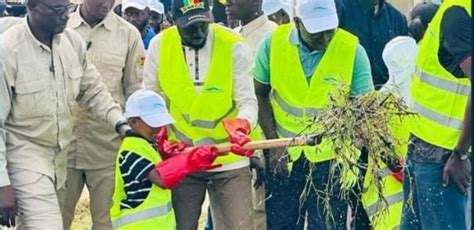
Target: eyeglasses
[60, 10]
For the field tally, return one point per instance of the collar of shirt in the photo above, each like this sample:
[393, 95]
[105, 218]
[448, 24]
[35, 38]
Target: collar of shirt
[296, 40]
[77, 20]
[27, 28]
[253, 25]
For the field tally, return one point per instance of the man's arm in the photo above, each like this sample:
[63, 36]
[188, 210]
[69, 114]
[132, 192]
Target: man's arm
[93, 93]
[464, 140]
[133, 71]
[151, 65]
[6, 98]
[362, 82]
[243, 91]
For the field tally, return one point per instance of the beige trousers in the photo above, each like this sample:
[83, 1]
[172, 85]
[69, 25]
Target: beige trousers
[37, 200]
[100, 184]
[230, 195]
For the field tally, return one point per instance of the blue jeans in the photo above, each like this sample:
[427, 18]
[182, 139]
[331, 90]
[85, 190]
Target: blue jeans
[434, 206]
[286, 210]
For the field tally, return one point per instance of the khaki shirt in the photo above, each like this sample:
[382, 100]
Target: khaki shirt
[7, 22]
[116, 49]
[39, 87]
[254, 32]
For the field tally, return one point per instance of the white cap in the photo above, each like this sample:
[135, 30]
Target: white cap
[138, 4]
[156, 6]
[317, 15]
[270, 7]
[150, 107]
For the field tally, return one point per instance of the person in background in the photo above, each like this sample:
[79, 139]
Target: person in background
[218, 12]
[144, 176]
[289, 67]
[5, 21]
[137, 12]
[203, 70]
[157, 20]
[115, 48]
[374, 22]
[44, 71]
[277, 11]
[438, 174]
[420, 17]
[3, 8]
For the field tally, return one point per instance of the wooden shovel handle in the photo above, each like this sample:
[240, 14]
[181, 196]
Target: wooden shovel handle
[269, 144]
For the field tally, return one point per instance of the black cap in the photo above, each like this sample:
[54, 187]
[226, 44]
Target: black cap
[425, 11]
[187, 12]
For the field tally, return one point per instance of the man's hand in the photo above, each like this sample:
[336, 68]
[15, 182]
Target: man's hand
[278, 160]
[458, 171]
[238, 130]
[122, 128]
[7, 206]
[256, 164]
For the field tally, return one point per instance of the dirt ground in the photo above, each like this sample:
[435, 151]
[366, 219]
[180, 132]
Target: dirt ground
[82, 219]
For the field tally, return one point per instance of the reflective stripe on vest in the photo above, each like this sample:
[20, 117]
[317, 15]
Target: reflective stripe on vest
[207, 124]
[443, 84]
[142, 215]
[203, 141]
[297, 112]
[437, 117]
[391, 200]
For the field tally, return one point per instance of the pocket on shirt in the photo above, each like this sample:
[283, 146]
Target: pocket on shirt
[111, 69]
[33, 99]
[74, 83]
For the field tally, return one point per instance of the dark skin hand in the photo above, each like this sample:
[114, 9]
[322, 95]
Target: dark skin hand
[277, 157]
[456, 170]
[257, 165]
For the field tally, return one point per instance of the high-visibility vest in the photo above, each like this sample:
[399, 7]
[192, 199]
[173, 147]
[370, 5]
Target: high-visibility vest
[156, 212]
[387, 215]
[438, 97]
[198, 115]
[296, 102]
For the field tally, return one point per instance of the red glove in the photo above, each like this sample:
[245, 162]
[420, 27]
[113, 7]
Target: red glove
[174, 169]
[166, 148]
[238, 130]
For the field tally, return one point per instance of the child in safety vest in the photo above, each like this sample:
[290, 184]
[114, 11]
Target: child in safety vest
[142, 199]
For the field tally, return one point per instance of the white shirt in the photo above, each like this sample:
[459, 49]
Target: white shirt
[7, 22]
[254, 32]
[198, 63]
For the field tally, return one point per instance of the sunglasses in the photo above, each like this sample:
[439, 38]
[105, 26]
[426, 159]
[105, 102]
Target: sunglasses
[60, 10]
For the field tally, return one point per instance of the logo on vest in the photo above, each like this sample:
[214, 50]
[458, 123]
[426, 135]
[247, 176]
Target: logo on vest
[213, 89]
[330, 80]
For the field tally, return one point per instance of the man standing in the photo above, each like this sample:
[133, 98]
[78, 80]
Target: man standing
[375, 23]
[157, 15]
[203, 70]
[116, 50]
[299, 65]
[440, 134]
[44, 70]
[254, 26]
[137, 13]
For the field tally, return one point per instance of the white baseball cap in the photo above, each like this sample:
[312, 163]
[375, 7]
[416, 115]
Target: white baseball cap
[150, 107]
[156, 6]
[317, 15]
[138, 4]
[270, 7]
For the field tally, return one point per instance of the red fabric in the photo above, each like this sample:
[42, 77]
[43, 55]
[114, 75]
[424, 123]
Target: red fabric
[238, 130]
[174, 169]
[166, 148]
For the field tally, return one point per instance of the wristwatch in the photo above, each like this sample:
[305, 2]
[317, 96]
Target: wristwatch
[463, 155]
